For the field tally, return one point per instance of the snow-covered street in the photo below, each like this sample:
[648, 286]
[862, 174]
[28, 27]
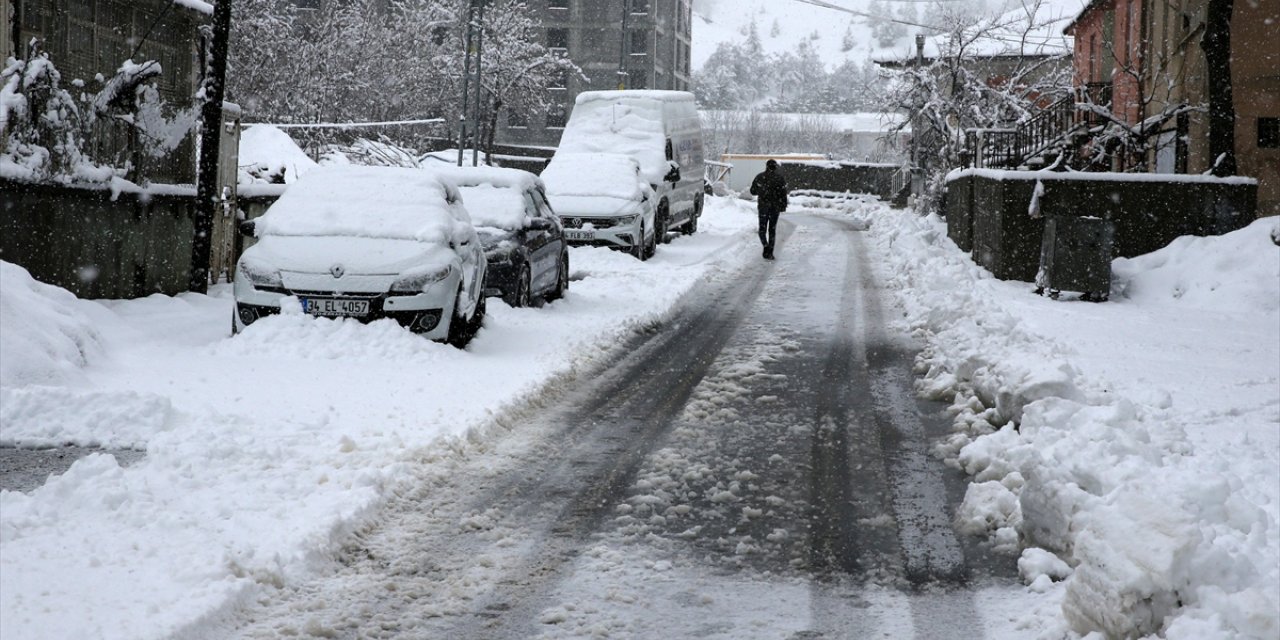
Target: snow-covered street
[703, 445]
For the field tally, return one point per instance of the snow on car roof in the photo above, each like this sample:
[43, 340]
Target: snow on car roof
[495, 176]
[368, 202]
[622, 122]
[500, 207]
[612, 175]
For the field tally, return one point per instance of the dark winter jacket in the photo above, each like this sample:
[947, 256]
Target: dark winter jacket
[770, 189]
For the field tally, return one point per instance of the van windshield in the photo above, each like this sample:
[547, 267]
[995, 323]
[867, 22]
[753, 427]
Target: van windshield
[630, 126]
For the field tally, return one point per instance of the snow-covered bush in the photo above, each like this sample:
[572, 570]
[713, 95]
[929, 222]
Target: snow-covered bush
[41, 127]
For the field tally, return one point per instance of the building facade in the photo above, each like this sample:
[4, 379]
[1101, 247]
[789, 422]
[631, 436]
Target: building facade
[1147, 59]
[651, 53]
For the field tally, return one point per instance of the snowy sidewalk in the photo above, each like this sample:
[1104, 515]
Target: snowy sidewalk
[1139, 440]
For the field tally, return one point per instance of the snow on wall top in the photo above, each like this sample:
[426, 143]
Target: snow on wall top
[611, 175]
[1010, 174]
[368, 202]
[196, 5]
[622, 123]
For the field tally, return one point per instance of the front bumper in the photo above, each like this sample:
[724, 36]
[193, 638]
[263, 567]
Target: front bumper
[624, 235]
[426, 313]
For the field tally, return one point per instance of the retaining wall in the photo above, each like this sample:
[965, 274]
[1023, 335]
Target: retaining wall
[96, 245]
[992, 208]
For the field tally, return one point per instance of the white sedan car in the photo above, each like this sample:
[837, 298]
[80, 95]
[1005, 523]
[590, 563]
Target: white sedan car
[367, 243]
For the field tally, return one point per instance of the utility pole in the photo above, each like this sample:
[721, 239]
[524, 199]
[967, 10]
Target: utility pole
[622, 48]
[917, 176]
[214, 88]
[475, 117]
[466, 79]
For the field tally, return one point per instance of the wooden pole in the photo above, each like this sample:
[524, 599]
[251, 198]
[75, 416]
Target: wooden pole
[214, 89]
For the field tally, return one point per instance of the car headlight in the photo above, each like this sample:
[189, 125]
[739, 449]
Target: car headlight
[260, 275]
[627, 221]
[416, 281]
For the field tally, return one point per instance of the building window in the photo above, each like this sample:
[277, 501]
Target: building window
[638, 79]
[558, 39]
[517, 120]
[557, 117]
[639, 43]
[559, 80]
[1269, 133]
[640, 6]
[558, 4]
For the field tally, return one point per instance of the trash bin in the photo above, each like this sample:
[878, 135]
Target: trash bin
[1075, 255]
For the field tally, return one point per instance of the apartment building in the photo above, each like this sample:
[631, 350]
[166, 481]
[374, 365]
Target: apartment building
[652, 52]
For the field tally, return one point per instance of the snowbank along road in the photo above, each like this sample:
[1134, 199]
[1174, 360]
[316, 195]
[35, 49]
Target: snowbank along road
[756, 467]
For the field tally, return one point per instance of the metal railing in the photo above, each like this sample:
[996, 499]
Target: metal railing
[1052, 127]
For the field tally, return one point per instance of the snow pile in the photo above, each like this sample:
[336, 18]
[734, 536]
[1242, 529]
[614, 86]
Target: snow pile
[46, 336]
[268, 154]
[367, 202]
[1169, 517]
[1239, 270]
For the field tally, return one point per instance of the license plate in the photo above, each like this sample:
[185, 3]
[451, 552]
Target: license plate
[579, 235]
[335, 307]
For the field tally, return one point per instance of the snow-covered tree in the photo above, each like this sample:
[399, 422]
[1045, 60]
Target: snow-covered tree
[960, 89]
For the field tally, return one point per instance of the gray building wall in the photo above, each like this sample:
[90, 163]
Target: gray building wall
[590, 31]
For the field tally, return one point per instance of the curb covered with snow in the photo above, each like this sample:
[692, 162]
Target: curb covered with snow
[1169, 525]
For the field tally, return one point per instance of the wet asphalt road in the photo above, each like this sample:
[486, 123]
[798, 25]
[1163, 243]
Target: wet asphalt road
[757, 466]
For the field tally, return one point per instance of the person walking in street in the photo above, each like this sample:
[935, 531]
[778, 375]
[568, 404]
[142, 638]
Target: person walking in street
[770, 190]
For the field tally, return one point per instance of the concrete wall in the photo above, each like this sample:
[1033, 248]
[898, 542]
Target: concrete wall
[94, 246]
[1148, 214]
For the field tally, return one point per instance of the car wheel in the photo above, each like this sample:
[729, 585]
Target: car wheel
[562, 279]
[663, 225]
[520, 296]
[459, 333]
[691, 227]
[477, 318]
[637, 249]
[651, 247]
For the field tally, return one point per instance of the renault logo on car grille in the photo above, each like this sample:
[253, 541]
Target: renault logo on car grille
[337, 270]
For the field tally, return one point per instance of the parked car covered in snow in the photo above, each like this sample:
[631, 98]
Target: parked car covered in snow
[367, 243]
[602, 200]
[661, 130]
[521, 235]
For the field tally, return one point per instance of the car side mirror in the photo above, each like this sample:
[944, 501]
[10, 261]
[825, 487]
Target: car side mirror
[673, 175]
[539, 224]
[247, 228]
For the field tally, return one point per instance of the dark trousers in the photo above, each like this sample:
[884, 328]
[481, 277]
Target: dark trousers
[768, 228]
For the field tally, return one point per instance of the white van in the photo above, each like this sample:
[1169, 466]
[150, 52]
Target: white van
[662, 131]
